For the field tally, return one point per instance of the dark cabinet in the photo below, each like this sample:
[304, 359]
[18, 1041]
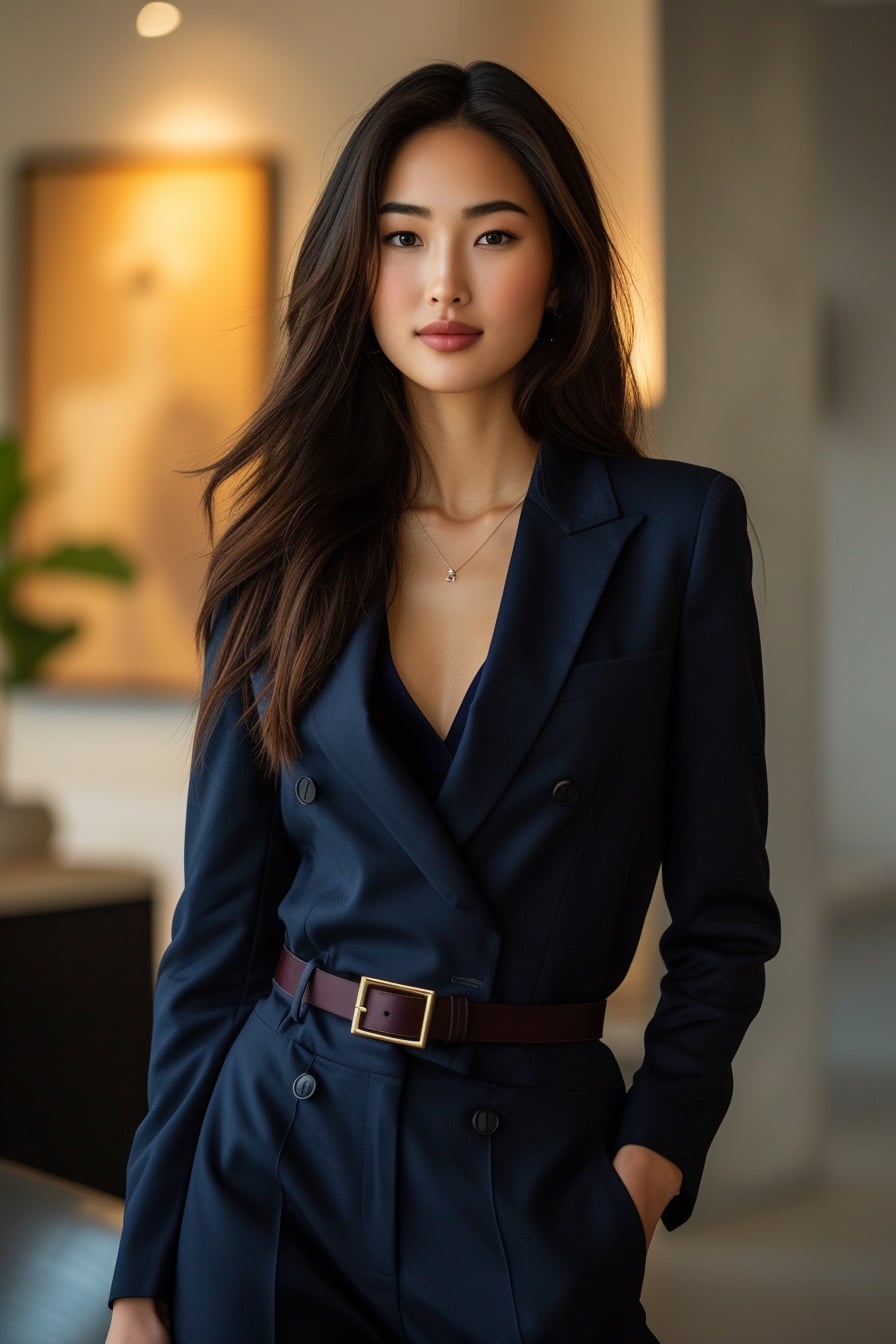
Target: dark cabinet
[76, 977]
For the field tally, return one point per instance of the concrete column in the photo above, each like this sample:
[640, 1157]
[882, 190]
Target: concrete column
[857, 55]
[741, 338]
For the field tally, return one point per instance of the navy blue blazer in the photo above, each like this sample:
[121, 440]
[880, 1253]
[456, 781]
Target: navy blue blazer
[625, 659]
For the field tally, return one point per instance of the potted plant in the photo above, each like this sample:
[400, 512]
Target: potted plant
[24, 641]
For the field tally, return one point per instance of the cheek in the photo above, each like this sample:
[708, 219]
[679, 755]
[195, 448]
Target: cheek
[523, 294]
[387, 300]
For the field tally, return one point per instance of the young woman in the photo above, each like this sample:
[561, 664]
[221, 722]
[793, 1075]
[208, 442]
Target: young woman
[475, 668]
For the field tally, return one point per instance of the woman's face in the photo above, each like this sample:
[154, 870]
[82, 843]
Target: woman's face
[465, 262]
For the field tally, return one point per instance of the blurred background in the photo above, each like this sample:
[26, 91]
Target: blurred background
[152, 191]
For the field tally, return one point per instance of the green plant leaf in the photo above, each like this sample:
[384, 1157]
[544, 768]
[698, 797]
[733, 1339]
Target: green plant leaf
[13, 487]
[99, 560]
[27, 643]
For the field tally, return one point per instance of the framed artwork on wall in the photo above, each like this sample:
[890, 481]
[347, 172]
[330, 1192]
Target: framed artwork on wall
[147, 332]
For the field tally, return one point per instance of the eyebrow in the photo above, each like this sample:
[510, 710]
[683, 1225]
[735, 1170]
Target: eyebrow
[468, 212]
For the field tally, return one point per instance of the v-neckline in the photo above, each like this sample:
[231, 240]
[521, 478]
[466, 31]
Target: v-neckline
[455, 728]
[452, 738]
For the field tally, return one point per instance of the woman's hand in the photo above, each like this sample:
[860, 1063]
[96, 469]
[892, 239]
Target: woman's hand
[650, 1179]
[136, 1320]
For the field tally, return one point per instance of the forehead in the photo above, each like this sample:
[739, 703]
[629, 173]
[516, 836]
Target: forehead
[453, 167]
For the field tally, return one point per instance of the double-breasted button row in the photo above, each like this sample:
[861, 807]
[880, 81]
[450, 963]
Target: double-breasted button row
[485, 1121]
[564, 792]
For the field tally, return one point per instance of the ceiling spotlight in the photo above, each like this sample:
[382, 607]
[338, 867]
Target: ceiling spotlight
[158, 20]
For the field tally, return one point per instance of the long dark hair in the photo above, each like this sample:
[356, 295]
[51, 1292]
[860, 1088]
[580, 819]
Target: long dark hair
[323, 468]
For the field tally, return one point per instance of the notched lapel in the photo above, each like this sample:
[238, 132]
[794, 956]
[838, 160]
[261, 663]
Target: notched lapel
[340, 718]
[571, 532]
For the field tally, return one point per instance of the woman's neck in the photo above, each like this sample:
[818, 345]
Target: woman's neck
[474, 454]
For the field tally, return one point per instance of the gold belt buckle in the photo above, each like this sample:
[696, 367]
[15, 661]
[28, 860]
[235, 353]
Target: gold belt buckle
[427, 995]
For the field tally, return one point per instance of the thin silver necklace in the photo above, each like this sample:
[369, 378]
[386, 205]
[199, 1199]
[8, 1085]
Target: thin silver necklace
[454, 570]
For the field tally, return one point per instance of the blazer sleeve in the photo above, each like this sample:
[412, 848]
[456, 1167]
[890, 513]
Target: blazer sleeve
[724, 922]
[238, 863]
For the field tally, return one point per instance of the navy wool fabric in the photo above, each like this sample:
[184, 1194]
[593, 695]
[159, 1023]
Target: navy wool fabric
[295, 1182]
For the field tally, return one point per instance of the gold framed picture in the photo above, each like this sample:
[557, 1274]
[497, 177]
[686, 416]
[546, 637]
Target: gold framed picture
[147, 331]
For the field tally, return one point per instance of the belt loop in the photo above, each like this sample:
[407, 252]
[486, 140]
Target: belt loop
[458, 1019]
[298, 1009]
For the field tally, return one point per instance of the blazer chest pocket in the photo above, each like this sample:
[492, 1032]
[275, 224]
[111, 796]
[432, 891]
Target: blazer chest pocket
[639, 672]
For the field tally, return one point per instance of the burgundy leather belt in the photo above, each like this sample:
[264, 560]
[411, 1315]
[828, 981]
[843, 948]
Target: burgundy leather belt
[407, 1015]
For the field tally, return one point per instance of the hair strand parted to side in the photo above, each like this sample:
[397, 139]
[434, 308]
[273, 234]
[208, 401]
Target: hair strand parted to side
[325, 465]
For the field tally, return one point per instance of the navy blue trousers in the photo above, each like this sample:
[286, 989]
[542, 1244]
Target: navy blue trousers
[349, 1192]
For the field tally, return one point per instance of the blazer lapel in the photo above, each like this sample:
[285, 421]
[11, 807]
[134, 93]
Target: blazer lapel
[340, 719]
[569, 536]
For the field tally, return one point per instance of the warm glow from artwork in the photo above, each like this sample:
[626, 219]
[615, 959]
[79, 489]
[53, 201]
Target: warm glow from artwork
[192, 123]
[158, 20]
[147, 343]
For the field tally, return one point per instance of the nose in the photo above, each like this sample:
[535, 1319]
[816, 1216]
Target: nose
[447, 287]
[445, 296]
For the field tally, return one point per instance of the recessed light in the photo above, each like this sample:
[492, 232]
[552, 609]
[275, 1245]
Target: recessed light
[158, 20]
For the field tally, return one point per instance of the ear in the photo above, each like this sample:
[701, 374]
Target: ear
[553, 299]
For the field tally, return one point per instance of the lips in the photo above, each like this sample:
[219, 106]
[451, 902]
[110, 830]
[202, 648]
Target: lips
[448, 336]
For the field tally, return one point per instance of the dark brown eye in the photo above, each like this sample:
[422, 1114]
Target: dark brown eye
[401, 238]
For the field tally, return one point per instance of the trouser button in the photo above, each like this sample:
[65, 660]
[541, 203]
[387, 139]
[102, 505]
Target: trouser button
[486, 1122]
[304, 1086]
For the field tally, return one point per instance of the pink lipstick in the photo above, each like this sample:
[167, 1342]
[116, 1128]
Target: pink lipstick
[448, 336]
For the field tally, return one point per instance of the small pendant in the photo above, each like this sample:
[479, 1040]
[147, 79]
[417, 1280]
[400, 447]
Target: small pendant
[451, 576]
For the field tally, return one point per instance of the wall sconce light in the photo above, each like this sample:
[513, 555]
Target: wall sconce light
[158, 20]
